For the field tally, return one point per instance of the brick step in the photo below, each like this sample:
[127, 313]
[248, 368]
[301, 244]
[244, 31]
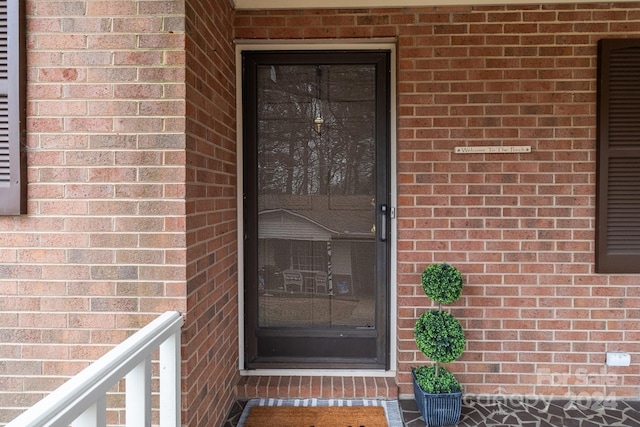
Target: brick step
[326, 387]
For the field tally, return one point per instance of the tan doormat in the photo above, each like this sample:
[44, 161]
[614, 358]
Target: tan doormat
[317, 416]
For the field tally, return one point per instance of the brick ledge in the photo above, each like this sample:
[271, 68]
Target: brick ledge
[328, 387]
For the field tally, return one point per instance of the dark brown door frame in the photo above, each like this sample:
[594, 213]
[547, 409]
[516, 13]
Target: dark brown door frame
[358, 348]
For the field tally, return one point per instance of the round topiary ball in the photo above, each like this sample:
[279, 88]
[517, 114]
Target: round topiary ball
[443, 382]
[439, 336]
[442, 283]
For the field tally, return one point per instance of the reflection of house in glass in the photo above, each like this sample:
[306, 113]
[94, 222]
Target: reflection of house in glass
[314, 250]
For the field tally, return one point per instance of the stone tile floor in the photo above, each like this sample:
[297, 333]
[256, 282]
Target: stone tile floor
[235, 413]
[519, 412]
[507, 412]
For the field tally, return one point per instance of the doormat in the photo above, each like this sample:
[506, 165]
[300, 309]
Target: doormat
[321, 413]
[315, 416]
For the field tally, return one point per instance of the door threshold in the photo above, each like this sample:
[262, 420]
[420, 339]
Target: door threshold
[318, 372]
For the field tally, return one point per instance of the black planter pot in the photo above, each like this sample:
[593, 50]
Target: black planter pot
[438, 410]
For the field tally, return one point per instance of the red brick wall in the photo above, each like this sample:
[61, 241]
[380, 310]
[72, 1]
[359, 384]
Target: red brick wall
[519, 226]
[132, 190]
[132, 197]
[211, 331]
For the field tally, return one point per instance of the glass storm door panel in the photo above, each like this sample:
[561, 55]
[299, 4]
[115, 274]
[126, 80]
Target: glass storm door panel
[316, 196]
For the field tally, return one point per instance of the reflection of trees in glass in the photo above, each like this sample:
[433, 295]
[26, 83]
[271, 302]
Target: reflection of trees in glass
[292, 157]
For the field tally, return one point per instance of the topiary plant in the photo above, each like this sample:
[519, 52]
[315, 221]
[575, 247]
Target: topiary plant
[444, 382]
[438, 334]
[442, 283]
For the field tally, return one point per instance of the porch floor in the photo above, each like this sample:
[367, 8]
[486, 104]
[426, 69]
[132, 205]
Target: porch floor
[507, 412]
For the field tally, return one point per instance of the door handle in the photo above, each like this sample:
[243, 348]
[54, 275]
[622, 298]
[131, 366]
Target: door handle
[383, 223]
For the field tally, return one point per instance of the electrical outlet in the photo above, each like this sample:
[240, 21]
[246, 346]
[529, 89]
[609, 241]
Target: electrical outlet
[617, 358]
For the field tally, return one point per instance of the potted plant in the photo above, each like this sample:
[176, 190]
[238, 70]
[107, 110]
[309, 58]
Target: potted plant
[439, 335]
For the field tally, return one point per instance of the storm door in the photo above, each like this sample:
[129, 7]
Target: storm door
[316, 209]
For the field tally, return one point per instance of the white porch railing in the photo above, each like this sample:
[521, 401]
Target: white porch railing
[82, 401]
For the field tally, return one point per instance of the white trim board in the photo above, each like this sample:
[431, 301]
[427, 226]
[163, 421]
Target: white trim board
[320, 373]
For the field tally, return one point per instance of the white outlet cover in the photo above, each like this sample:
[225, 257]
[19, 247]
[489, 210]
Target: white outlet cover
[615, 358]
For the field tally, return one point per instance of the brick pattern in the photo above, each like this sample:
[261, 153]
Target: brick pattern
[211, 331]
[326, 387]
[519, 226]
[131, 196]
[132, 178]
[102, 249]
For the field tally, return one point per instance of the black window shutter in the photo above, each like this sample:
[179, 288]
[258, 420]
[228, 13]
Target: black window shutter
[13, 183]
[618, 162]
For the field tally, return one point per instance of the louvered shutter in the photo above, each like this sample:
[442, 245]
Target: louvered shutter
[12, 109]
[618, 167]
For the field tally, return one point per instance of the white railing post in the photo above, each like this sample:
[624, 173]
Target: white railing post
[94, 416]
[138, 395]
[170, 388]
[82, 401]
